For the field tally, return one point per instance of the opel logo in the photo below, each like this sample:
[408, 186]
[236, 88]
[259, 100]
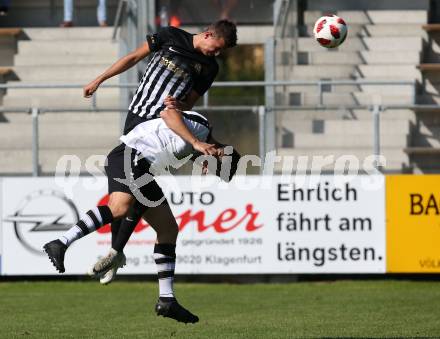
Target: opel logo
[40, 213]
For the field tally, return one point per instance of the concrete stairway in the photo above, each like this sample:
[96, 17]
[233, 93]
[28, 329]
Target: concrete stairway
[424, 149]
[381, 45]
[59, 56]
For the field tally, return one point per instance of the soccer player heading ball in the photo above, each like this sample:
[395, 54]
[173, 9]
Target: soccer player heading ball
[159, 129]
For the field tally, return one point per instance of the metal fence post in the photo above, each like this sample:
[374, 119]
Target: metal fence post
[118, 18]
[376, 135]
[269, 76]
[35, 144]
[127, 43]
[321, 98]
[261, 135]
[94, 101]
[206, 99]
[414, 93]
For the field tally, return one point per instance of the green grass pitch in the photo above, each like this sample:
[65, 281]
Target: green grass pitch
[297, 310]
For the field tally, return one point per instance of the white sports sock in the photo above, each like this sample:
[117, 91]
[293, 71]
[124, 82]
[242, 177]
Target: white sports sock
[74, 233]
[90, 222]
[165, 271]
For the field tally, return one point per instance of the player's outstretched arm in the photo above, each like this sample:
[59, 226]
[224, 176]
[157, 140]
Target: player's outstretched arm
[118, 67]
[173, 119]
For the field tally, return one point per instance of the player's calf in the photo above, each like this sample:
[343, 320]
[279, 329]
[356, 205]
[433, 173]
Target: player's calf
[90, 222]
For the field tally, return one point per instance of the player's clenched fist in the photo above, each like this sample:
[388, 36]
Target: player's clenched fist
[90, 88]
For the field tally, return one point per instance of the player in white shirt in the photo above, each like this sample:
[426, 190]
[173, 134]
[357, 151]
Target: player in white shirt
[147, 150]
[160, 145]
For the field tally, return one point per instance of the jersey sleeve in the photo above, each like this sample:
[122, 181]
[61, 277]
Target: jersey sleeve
[157, 40]
[204, 80]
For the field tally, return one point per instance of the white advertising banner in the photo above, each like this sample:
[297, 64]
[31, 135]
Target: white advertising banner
[254, 225]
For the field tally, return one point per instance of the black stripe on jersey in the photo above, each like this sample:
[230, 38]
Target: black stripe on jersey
[184, 91]
[152, 66]
[171, 92]
[144, 76]
[147, 69]
[197, 118]
[152, 85]
[160, 91]
[138, 95]
[141, 86]
[178, 96]
[152, 70]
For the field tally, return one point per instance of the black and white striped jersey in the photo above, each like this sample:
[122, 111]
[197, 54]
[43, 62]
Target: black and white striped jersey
[175, 69]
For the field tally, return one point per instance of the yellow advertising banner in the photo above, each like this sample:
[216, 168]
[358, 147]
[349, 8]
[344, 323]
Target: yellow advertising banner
[413, 223]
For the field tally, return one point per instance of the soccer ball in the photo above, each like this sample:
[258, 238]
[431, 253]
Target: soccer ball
[330, 31]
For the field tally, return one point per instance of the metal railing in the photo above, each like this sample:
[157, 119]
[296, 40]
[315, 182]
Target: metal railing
[118, 17]
[260, 110]
[223, 84]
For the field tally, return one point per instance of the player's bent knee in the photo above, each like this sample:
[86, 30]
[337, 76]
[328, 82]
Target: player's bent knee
[118, 211]
[119, 204]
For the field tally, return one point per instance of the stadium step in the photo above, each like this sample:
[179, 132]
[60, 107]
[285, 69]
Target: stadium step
[71, 47]
[48, 159]
[393, 30]
[347, 141]
[68, 34]
[61, 130]
[60, 92]
[348, 99]
[68, 118]
[431, 85]
[52, 137]
[314, 89]
[336, 159]
[298, 115]
[427, 135]
[429, 99]
[364, 57]
[344, 127]
[367, 44]
[373, 17]
[403, 90]
[387, 72]
[379, 30]
[68, 60]
[304, 72]
[68, 74]
[8, 45]
[64, 102]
